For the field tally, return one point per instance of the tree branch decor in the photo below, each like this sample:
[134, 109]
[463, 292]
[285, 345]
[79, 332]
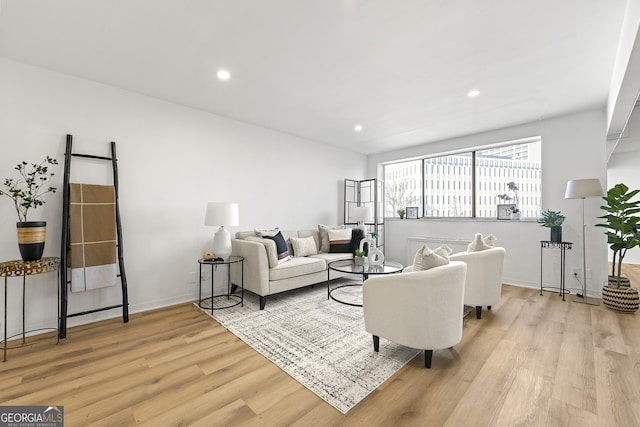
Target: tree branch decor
[27, 191]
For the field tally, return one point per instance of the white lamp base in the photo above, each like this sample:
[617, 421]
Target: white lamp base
[222, 243]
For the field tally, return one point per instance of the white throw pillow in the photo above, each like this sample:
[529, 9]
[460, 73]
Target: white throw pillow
[303, 246]
[480, 243]
[426, 258]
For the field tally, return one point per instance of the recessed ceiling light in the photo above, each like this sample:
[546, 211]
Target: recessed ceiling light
[473, 93]
[224, 75]
[357, 128]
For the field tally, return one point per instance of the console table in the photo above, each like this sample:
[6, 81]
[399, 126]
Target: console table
[23, 269]
[546, 244]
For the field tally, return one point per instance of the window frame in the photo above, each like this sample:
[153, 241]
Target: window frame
[474, 182]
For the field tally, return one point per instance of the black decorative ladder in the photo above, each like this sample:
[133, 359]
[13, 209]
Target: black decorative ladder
[65, 245]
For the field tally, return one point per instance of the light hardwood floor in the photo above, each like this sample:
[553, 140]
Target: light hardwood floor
[532, 361]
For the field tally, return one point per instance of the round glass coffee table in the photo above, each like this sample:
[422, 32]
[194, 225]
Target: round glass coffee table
[350, 267]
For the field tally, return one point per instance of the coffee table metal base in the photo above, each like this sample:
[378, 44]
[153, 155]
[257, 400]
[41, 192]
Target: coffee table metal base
[348, 266]
[349, 285]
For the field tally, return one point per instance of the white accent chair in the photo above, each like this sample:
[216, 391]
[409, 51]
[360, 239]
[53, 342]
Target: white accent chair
[418, 309]
[484, 277]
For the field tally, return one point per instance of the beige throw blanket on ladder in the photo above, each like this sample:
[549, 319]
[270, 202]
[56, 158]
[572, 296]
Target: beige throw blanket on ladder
[92, 233]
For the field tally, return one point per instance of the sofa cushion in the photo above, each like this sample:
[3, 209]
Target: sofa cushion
[339, 240]
[303, 246]
[282, 250]
[297, 266]
[331, 257]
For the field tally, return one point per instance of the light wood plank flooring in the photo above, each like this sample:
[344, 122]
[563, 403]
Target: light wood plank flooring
[532, 361]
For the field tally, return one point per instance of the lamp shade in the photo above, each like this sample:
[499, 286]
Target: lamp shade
[583, 188]
[221, 213]
[362, 213]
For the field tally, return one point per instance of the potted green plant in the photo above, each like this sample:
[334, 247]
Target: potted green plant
[359, 257]
[401, 212]
[623, 233]
[553, 220]
[27, 192]
[514, 210]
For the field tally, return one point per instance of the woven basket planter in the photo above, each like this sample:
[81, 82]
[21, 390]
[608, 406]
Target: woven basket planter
[624, 300]
[624, 282]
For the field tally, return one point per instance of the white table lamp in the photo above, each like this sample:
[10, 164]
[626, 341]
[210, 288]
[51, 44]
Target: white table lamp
[362, 214]
[222, 214]
[581, 189]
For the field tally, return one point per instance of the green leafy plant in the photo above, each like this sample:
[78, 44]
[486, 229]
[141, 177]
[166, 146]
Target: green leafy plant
[359, 253]
[513, 187]
[622, 223]
[27, 191]
[551, 218]
[401, 212]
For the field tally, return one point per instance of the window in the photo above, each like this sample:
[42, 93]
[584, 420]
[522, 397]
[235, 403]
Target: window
[469, 184]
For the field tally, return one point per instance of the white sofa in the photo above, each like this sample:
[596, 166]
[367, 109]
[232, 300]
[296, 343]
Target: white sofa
[264, 275]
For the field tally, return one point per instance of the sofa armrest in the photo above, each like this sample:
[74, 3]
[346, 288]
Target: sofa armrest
[256, 266]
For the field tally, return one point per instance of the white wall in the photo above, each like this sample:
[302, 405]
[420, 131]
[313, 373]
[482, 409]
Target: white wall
[623, 167]
[172, 160]
[573, 147]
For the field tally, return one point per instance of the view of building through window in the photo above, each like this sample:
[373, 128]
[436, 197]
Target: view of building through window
[446, 186]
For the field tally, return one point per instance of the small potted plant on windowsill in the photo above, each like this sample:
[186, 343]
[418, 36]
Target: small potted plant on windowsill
[514, 211]
[553, 220]
[27, 192]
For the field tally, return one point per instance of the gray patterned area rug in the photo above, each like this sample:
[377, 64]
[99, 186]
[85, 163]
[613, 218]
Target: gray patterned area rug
[319, 342]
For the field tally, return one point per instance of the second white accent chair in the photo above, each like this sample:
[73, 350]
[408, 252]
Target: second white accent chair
[484, 277]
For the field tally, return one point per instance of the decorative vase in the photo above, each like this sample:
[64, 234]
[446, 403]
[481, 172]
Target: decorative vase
[376, 257]
[624, 300]
[515, 215]
[359, 260]
[556, 234]
[31, 238]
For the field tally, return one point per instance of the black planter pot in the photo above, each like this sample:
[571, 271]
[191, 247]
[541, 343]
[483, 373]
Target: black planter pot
[31, 237]
[556, 234]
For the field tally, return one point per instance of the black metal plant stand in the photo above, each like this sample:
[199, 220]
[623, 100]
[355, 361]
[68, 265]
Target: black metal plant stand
[545, 244]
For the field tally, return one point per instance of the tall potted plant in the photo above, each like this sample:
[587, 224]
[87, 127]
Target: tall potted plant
[623, 233]
[27, 193]
[553, 220]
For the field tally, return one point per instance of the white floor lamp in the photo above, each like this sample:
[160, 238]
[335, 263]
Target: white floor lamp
[581, 189]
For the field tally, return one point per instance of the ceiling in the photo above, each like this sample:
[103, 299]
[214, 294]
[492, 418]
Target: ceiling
[315, 69]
